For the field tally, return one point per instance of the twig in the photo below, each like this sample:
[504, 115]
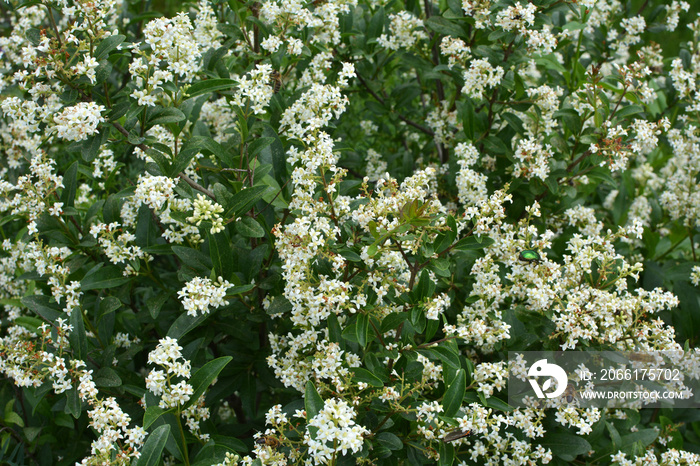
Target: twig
[182, 175]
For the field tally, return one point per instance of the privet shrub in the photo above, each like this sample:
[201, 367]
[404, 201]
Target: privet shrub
[290, 232]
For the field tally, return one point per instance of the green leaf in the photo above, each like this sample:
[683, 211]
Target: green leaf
[152, 414]
[100, 277]
[206, 374]
[362, 329]
[43, 306]
[249, 228]
[202, 143]
[182, 160]
[629, 111]
[184, 324]
[444, 26]
[210, 85]
[313, 403]
[193, 258]
[163, 116]
[389, 440]
[107, 377]
[153, 448]
[155, 303]
[107, 45]
[566, 446]
[73, 403]
[244, 199]
[279, 305]
[473, 242]
[259, 144]
[30, 323]
[221, 254]
[447, 454]
[454, 394]
[70, 181]
[78, 339]
[363, 375]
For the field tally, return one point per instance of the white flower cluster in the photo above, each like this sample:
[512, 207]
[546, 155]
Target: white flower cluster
[154, 191]
[108, 419]
[376, 165]
[533, 159]
[480, 10]
[406, 31]
[583, 420]
[255, 89]
[542, 122]
[312, 111]
[194, 415]
[671, 457]
[479, 76]
[337, 432]
[680, 197]
[437, 305]
[117, 243]
[471, 185]
[104, 164]
[294, 369]
[695, 275]
[78, 122]
[205, 31]
[172, 40]
[444, 123]
[206, 210]
[456, 50]
[493, 448]
[517, 17]
[201, 294]
[167, 355]
[491, 377]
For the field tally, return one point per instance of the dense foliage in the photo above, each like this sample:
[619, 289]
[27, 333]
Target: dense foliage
[288, 232]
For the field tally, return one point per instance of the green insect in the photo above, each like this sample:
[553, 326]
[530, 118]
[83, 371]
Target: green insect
[529, 256]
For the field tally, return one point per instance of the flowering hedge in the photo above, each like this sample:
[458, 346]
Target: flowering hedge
[288, 232]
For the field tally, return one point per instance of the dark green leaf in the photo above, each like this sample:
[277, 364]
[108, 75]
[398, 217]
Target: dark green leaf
[70, 183]
[78, 339]
[107, 45]
[100, 277]
[210, 85]
[221, 254]
[184, 324]
[279, 305]
[389, 440]
[444, 26]
[153, 448]
[473, 242]
[454, 394]
[249, 228]
[193, 258]
[313, 403]
[259, 144]
[363, 375]
[201, 379]
[155, 303]
[566, 445]
[245, 199]
[107, 377]
[43, 306]
[152, 414]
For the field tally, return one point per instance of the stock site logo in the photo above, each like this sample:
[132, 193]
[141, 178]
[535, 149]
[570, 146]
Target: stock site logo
[541, 369]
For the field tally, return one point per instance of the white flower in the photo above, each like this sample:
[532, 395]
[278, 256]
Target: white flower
[200, 294]
[78, 122]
